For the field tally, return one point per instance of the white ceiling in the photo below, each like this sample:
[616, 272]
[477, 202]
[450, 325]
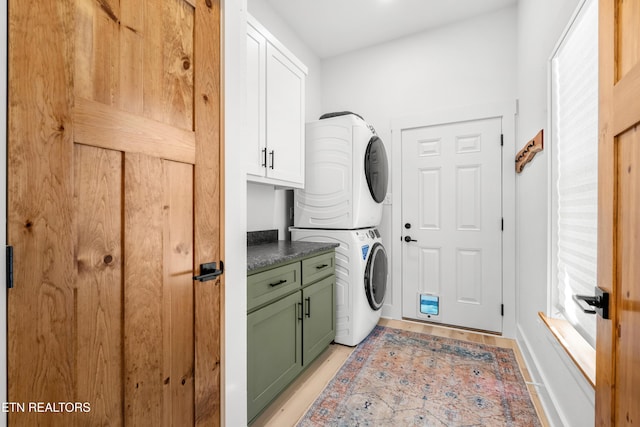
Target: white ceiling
[333, 27]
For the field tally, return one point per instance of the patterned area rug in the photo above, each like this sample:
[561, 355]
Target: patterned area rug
[400, 378]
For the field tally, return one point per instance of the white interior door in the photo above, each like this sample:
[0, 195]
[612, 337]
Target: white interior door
[452, 212]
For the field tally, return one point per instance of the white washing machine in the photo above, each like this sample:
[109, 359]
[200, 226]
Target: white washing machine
[346, 175]
[361, 278]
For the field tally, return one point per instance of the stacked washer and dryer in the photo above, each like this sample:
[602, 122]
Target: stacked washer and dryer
[345, 185]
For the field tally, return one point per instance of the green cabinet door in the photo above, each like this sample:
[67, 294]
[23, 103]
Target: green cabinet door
[319, 325]
[274, 342]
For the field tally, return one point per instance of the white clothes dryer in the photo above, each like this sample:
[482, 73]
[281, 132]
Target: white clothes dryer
[346, 175]
[361, 279]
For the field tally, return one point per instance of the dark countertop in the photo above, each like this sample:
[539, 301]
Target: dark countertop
[271, 254]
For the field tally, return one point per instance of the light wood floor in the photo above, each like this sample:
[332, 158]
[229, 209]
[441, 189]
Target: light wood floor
[293, 403]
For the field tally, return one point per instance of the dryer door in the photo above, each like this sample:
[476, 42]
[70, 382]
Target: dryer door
[375, 276]
[376, 169]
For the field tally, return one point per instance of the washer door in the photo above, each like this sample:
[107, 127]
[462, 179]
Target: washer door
[376, 169]
[375, 276]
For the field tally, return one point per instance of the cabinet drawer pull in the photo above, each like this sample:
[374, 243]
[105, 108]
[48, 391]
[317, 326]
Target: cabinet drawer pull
[273, 156]
[280, 282]
[322, 266]
[264, 161]
[299, 310]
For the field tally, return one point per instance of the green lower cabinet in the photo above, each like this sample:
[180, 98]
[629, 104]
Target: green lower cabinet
[319, 323]
[291, 320]
[274, 350]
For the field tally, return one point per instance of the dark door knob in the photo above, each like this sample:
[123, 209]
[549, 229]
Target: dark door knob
[409, 239]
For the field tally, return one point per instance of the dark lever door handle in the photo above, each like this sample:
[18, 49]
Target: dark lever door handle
[600, 302]
[209, 271]
[409, 239]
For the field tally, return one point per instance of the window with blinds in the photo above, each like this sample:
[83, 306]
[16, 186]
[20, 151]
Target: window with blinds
[574, 183]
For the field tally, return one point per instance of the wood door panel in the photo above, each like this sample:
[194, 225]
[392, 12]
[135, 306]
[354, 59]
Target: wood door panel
[177, 71]
[139, 57]
[107, 231]
[97, 51]
[41, 335]
[99, 293]
[628, 48]
[627, 375]
[104, 126]
[178, 346]
[143, 238]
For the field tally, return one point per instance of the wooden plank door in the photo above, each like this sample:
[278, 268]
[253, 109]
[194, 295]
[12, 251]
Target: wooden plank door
[114, 198]
[618, 339]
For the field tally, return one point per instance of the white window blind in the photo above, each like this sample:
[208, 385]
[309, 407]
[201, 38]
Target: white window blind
[574, 118]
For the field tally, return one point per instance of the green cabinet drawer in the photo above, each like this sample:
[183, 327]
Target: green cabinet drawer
[317, 267]
[270, 285]
[319, 320]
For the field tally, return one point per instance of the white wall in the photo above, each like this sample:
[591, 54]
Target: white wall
[267, 209]
[3, 206]
[468, 63]
[234, 411]
[266, 205]
[567, 397]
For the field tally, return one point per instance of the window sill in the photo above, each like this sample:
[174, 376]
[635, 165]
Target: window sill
[582, 354]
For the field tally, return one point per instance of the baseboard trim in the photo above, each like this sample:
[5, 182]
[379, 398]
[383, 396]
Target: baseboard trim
[546, 396]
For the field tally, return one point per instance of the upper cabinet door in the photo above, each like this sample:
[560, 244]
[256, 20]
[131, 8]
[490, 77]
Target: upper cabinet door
[274, 110]
[255, 107]
[285, 117]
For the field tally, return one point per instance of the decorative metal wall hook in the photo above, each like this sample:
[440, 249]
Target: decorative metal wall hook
[527, 153]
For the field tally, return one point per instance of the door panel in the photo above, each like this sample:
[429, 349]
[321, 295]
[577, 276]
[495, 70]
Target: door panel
[178, 310]
[274, 350]
[627, 377]
[114, 199]
[618, 338]
[285, 87]
[255, 104]
[452, 203]
[98, 207]
[143, 260]
[319, 322]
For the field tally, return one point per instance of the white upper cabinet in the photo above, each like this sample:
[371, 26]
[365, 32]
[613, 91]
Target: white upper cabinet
[274, 110]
